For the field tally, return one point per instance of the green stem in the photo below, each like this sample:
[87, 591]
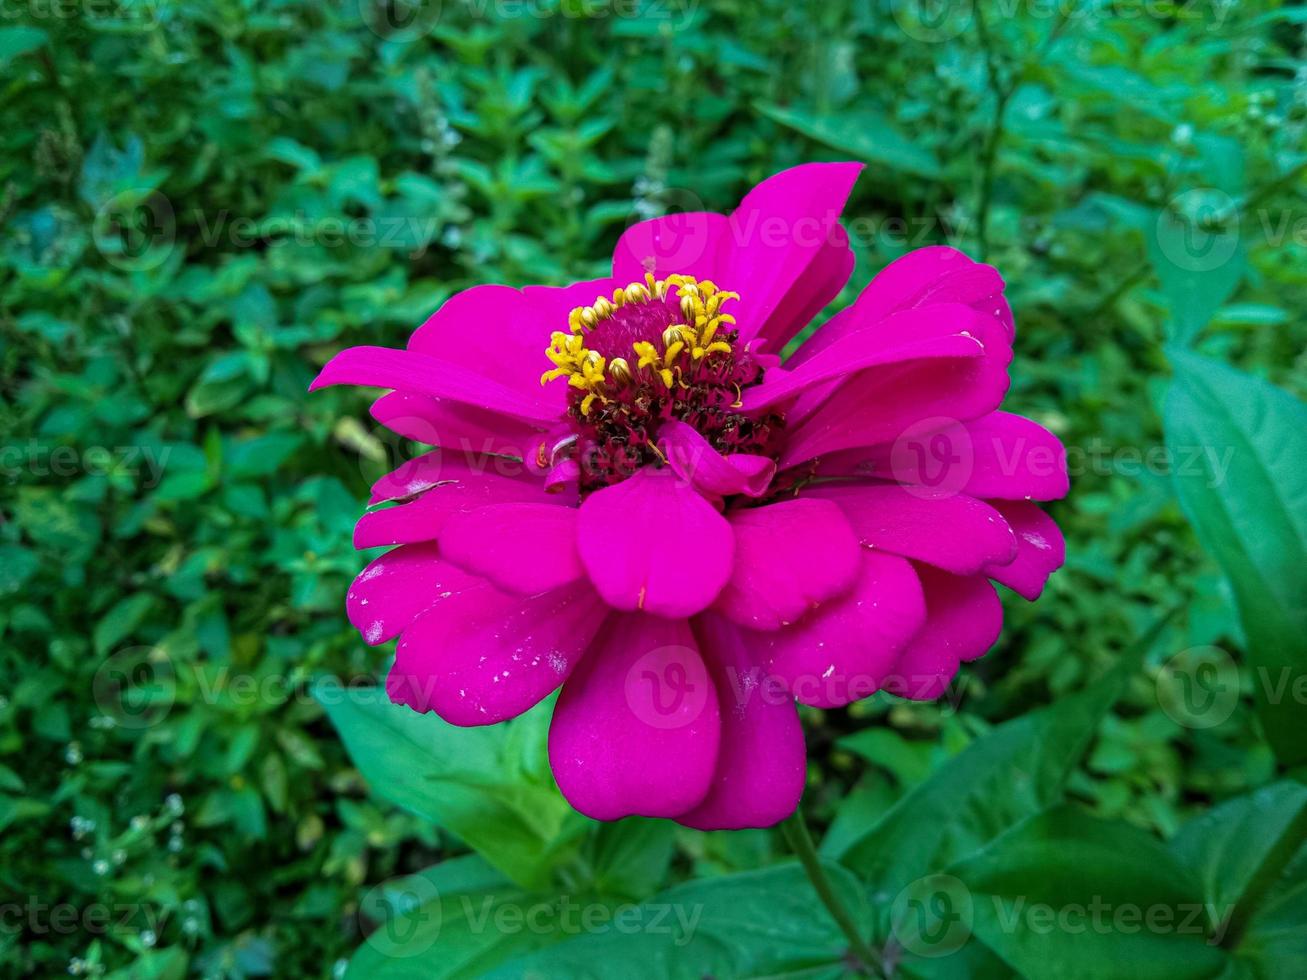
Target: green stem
[796, 832]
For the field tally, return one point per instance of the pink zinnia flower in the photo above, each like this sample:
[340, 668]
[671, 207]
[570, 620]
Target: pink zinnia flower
[684, 533]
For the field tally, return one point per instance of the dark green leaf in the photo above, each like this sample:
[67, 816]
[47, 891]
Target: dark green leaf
[488, 786]
[1066, 895]
[865, 135]
[1239, 444]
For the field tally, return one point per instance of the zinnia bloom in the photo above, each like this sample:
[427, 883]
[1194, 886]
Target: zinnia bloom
[686, 533]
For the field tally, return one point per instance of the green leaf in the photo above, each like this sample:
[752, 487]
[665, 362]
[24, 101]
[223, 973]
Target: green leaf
[759, 923]
[1015, 771]
[20, 40]
[1239, 848]
[1066, 895]
[458, 918]
[17, 565]
[1273, 942]
[1197, 253]
[909, 761]
[155, 964]
[120, 621]
[1238, 445]
[630, 857]
[866, 135]
[488, 786]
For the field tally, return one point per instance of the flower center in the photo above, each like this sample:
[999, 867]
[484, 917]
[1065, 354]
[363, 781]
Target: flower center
[657, 350]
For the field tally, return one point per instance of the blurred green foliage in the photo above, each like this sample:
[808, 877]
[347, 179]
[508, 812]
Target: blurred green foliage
[200, 202]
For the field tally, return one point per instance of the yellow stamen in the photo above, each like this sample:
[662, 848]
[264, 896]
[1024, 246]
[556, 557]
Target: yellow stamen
[700, 303]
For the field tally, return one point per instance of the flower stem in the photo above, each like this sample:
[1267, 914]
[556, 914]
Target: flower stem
[800, 840]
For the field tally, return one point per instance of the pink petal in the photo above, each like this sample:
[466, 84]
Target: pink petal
[1000, 456]
[689, 243]
[552, 304]
[819, 286]
[762, 761]
[950, 531]
[397, 588]
[445, 468]
[523, 548]
[880, 404]
[423, 374]
[692, 458]
[943, 331]
[922, 278]
[637, 726]
[963, 619]
[480, 656]
[653, 543]
[459, 428]
[1040, 549]
[790, 557]
[424, 518]
[781, 228]
[847, 649]
[501, 333]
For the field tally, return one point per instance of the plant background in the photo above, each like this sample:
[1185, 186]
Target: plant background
[200, 202]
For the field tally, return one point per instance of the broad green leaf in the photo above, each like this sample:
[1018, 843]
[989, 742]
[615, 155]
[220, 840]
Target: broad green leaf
[909, 761]
[459, 918]
[1015, 771]
[488, 786]
[1239, 848]
[1197, 253]
[866, 135]
[1273, 943]
[759, 923]
[1239, 445]
[1066, 895]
